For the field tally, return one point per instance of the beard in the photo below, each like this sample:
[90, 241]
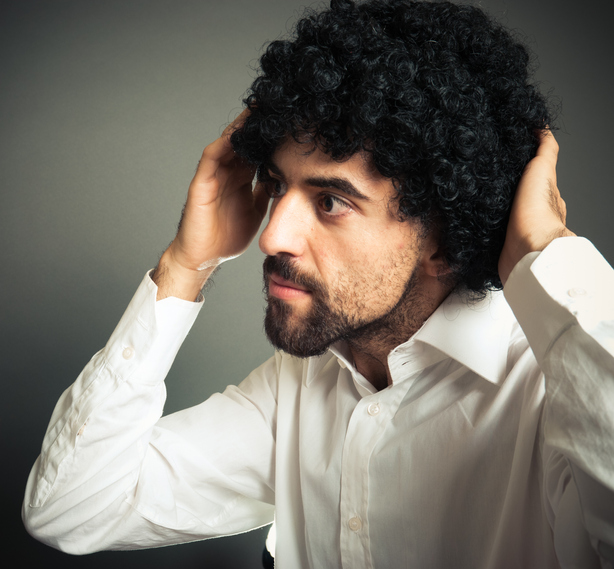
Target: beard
[325, 323]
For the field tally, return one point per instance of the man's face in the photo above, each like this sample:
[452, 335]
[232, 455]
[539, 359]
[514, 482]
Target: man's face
[340, 264]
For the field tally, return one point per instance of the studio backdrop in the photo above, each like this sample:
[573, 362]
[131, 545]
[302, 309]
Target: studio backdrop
[105, 107]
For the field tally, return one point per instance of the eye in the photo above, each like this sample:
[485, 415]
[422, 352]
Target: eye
[332, 205]
[272, 186]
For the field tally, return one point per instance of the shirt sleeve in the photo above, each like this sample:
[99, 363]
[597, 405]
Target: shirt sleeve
[562, 298]
[113, 475]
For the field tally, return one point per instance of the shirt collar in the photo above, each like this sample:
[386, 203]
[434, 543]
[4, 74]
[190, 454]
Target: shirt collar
[474, 333]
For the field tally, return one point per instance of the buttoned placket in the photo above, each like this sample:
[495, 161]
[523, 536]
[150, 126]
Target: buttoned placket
[369, 420]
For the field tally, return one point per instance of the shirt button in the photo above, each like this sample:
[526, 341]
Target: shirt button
[373, 409]
[576, 291]
[128, 353]
[355, 523]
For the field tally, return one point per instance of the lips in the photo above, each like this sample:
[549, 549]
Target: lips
[283, 282]
[285, 289]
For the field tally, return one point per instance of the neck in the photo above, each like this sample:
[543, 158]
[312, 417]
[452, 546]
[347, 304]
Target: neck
[372, 344]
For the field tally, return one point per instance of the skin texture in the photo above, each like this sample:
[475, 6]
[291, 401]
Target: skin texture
[350, 253]
[439, 95]
[220, 218]
[345, 256]
[538, 213]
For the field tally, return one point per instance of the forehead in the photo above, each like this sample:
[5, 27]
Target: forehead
[299, 162]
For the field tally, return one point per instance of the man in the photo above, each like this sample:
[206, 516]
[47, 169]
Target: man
[409, 419]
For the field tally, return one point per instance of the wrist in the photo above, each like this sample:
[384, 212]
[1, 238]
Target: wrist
[515, 250]
[173, 279]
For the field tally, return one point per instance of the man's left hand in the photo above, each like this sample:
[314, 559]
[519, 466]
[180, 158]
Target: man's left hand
[538, 212]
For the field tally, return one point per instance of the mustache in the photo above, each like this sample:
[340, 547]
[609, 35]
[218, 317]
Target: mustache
[284, 267]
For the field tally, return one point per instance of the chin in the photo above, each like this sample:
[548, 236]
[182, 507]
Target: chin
[302, 337]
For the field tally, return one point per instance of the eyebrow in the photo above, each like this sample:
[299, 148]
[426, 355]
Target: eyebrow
[340, 184]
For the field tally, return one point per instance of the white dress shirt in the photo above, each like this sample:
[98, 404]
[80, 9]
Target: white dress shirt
[471, 459]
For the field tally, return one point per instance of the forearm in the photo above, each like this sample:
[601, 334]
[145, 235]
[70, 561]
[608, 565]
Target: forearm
[112, 474]
[562, 299]
[98, 434]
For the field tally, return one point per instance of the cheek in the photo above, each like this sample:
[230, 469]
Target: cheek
[369, 259]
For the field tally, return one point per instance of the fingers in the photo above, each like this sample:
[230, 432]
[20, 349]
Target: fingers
[220, 151]
[235, 124]
[543, 165]
[548, 146]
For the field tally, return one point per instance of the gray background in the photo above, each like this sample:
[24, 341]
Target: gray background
[105, 107]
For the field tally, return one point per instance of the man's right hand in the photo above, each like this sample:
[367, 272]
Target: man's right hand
[221, 216]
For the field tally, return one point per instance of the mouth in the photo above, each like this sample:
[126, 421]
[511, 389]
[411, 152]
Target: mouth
[285, 289]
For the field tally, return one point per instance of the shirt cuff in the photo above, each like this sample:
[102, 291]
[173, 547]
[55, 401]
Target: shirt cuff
[146, 340]
[568, 282]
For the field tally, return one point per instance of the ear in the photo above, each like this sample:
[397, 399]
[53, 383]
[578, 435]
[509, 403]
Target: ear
[433, 260]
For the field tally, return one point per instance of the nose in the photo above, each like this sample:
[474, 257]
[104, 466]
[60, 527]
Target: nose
[288, 226]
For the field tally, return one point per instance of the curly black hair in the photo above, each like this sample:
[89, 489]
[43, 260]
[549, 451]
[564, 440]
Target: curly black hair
[437, 93]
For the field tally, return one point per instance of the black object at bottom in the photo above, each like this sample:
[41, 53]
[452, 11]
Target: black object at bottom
[268, 561]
